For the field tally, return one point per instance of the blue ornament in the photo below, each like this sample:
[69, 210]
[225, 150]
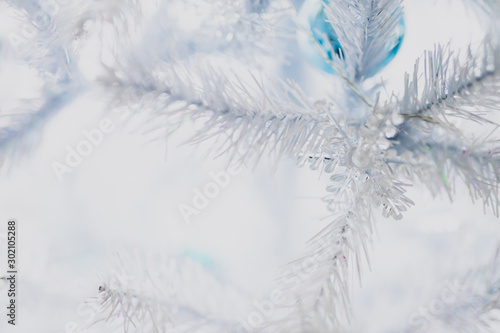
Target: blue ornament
[313, 23]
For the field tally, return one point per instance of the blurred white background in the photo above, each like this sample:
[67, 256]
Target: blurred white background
[125, 196]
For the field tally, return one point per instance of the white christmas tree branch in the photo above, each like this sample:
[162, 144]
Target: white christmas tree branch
[130, 43]
[46, 51]
[167, 295]
[448, 86]
[178, 30]
[318, 283]
[250, 118]
[429, 143]
[364, 28]
[476, 164]
[472, 305]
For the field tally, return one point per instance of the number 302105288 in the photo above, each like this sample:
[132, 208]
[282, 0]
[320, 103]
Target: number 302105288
[11, 244]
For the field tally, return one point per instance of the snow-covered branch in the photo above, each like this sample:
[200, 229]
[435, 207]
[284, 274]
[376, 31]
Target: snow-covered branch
[447, 86]
[164, 295]
[472, 307]
[366, 31]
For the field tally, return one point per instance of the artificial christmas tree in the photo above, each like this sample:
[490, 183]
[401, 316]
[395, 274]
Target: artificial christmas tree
[218, 66]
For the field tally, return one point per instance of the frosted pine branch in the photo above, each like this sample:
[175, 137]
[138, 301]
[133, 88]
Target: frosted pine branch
[164, 59]
[364, 29]
[446, 89]
[473, 307]
[178, 30]
[42, 52]
[361, 179]
[131, 35]
[365, 153]
[318, 284]
[161, 296]
[249, 116]
[447, 85]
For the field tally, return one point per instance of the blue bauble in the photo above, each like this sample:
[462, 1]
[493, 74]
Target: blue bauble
[313, 24]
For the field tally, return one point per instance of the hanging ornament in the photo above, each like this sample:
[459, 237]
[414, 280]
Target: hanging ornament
[318, 38]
